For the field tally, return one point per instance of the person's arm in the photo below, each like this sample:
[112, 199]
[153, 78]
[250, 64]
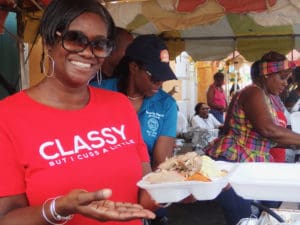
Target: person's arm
[165, 142]
[256, 110]
[164, 148]
[195, 122]
[144, 197]
[15, 209]
[215, 122]
[210, 97]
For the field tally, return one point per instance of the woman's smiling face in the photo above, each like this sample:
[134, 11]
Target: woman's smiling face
[77, 68]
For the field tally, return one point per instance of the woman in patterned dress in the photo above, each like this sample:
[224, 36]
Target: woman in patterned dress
[252, 127]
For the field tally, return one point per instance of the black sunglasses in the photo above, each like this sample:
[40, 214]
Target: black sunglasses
[76, 41]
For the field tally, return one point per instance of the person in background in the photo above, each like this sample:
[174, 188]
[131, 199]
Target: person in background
[142, 72]
[216, 98]
[278, 154]
[59, 161]
[122, 39]
[234, 88]
[205, 120]
[292, 102]
[252, 128]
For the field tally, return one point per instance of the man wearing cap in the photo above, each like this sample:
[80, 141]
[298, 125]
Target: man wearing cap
[140, 75]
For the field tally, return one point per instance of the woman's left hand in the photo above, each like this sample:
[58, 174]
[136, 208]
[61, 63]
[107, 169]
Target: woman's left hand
[95, 205]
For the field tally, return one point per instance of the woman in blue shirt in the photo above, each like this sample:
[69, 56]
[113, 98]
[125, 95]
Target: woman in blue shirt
[140, 75]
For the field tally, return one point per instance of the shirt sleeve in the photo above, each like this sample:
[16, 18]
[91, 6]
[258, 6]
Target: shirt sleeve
[170, 120]
[195, 122]
[11, 170]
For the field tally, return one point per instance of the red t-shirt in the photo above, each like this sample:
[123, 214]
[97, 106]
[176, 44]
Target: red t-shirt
[46, 152]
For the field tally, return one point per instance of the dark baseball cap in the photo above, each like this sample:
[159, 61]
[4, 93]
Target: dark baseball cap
[152, 51]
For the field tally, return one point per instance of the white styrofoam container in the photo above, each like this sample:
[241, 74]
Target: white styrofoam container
[267, 181]
[207, 190]
[177, 191]
[166, 192]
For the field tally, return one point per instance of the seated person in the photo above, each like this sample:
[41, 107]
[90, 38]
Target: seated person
[205, 120]
[205, 127]
[295, 107]
[292, 102]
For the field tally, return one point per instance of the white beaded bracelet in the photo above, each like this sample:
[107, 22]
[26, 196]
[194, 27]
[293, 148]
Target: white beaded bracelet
[54, 214]
[44, 214]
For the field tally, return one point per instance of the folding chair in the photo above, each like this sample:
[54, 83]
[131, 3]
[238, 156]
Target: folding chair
[295, 125]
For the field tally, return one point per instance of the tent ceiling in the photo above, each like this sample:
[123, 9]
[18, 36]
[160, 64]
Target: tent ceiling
[213, 28]
[206, 29]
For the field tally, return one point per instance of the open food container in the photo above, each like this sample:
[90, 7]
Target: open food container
[166, 192]
[176, 191]
[207, 190]
[267, 181]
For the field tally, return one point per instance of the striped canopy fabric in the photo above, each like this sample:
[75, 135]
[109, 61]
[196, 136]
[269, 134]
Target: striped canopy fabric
[206, 29]
[211, 29]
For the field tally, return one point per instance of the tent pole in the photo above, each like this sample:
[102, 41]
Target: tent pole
[24, 81]
[24, 73]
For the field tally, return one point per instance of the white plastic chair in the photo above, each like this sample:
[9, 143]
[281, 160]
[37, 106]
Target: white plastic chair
[295, 125]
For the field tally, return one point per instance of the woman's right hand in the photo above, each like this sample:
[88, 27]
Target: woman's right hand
[97, 206]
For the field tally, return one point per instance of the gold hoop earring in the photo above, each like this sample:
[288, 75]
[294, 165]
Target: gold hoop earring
[99, 77]
[51, 65]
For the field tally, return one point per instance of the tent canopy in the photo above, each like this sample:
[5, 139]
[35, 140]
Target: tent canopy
[211, 29]
[206, 29]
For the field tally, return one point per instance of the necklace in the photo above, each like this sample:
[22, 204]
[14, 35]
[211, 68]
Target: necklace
[134, 98]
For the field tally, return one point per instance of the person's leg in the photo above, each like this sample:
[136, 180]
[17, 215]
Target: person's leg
[161, 217]
[234, 207]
